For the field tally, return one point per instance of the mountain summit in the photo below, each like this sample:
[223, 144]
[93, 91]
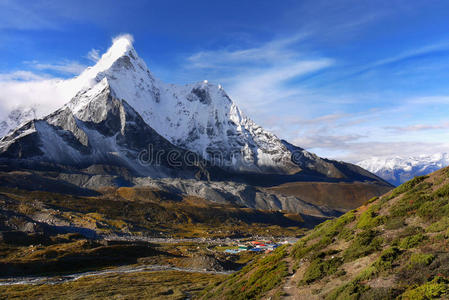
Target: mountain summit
[199, 117]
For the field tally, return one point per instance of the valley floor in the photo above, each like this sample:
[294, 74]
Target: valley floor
[168, 284]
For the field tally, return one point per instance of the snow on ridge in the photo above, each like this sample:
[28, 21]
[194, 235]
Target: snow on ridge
[399, 169]
[17, 117]
[375, 164]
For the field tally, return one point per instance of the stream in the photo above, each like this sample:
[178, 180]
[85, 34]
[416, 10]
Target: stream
[120, 270]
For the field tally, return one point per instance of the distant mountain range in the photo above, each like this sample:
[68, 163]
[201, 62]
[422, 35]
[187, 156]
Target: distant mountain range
[398, 170]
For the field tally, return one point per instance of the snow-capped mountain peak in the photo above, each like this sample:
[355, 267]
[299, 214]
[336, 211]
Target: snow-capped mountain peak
[399, 169]
[121, 46]
[199, 117]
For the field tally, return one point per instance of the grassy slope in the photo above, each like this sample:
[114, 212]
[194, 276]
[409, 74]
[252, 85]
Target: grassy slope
[395, 246]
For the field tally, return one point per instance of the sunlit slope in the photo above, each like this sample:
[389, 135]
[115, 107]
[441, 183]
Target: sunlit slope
[395, 246]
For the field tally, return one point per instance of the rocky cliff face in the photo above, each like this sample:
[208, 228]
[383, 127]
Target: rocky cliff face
[102, 130]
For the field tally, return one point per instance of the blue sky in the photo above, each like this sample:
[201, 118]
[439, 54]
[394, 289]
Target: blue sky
[345, 79]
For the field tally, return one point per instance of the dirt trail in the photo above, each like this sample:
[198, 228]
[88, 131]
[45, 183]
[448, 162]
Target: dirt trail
[290, 290]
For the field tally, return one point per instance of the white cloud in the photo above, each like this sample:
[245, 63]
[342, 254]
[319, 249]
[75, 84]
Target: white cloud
[258, 76]
[260, 79]
[93, 55]
[44, 94]
[126, 36]
[42, 90]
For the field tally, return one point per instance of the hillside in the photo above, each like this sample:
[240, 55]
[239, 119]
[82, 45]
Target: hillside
[137, 213]
[339, 196]
[395, 246]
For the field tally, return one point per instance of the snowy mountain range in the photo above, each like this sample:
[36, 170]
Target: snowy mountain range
[398, 170]
[117, 109]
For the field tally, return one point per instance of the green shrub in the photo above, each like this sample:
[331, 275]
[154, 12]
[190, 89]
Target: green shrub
[442, 224]
[319, 269]
[394, 223]
[326, 231]
[386, 259]
[346, 234]
[442, 191]
[348, 291]
[410, 230]
[366, 273]
[264, 275]
[364, 244]
[383, 263]
[434, 289]
[409, 204]
[407, 186]
[418, 259]
[333, 227]
[300, 249]
[434, 210]
[370, 219]
[411, 241]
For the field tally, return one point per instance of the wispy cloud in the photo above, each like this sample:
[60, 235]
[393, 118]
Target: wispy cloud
[418, 127]
[413, 53]
[93, 55]
[337, 142]
[22, 76]
[269, 53]
[403, 57]
[64, 67]
[258, 76]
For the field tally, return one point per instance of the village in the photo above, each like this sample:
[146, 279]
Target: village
[254, 246]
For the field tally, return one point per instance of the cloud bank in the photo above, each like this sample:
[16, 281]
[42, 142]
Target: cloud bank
[39, 88]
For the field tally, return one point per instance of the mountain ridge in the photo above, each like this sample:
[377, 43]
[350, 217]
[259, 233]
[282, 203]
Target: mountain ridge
[399, 169]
